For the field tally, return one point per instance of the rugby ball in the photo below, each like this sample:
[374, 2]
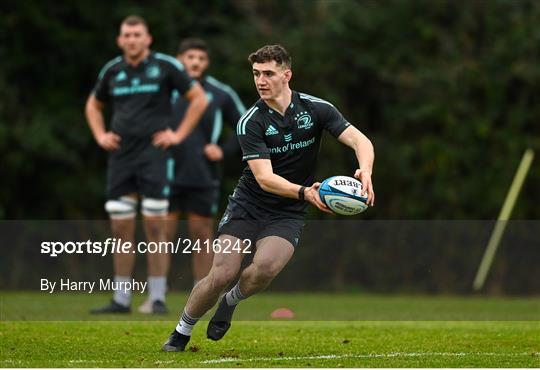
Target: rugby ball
[342, 194]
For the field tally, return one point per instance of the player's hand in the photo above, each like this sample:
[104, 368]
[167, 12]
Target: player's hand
[311, 194]
[166, 138]
[109, 141]
[367, 186]
[213, 152]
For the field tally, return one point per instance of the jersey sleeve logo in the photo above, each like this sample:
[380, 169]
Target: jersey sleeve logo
[303, 120]
[250, 156]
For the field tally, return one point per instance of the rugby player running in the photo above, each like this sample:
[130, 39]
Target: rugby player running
[279, 137]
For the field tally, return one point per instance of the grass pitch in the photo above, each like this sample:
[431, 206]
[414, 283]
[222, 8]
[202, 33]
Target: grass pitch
[431, 332]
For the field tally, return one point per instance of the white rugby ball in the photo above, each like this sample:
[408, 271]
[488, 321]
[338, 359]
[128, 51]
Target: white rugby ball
[343, 195]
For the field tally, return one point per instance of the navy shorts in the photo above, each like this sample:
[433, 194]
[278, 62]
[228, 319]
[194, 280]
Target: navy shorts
[143, 170]
[201, 201]
[245, 220]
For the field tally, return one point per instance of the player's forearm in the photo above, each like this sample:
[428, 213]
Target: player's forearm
[193, 114]
[365, 153]
[353, 138]
[278, 185]
[95, 119]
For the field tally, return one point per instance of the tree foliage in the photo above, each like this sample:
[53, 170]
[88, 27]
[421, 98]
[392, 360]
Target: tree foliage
[447, 90]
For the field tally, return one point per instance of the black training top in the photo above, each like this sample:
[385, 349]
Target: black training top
[141, 95]
[291, 142]
[192, 168]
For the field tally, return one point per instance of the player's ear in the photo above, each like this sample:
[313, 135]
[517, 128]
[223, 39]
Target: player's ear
[150, 39]
[288, 75]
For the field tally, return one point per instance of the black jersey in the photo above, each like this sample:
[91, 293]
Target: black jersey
[192, 168]
[141, 95]
[291, 142]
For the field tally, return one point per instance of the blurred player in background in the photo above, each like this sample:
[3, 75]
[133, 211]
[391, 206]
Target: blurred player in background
[280, 137]
[138, 86]
[197, 171]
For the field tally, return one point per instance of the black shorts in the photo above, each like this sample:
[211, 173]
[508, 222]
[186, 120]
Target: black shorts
[201, 201]
[247, 221]
[146, 174]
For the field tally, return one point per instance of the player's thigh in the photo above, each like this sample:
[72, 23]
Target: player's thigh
[272, 254]
[153, 185]
[225, 266]
[121, 179]
[225, 257]
[152, 176]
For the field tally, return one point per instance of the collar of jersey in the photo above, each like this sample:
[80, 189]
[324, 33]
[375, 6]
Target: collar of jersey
[286, 120]
[142, 63]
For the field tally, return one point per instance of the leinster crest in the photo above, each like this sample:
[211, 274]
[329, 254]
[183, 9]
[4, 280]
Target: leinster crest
[303, 120]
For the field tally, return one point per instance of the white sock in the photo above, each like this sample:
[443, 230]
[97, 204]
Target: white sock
[157, 286]
[122, 296]
[234, 295]
[186, 324]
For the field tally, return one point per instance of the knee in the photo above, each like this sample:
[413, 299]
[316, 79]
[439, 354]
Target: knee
[199, 231]
[221, 277]
[265, 272]
[123, 208]
[151, 207]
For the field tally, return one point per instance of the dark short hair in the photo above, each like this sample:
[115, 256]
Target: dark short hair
[193, 43]
[133, 20]
[271, 52]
